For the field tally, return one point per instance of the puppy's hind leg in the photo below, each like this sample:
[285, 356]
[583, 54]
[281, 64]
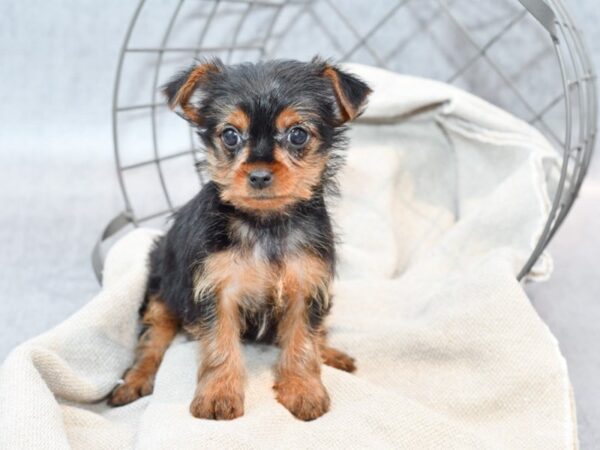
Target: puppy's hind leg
[160, 327]
[333, 357]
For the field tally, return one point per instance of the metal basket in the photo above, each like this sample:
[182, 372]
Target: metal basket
[527, 56]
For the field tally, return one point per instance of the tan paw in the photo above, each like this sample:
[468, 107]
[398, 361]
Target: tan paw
[338, 359]
[305, 399]
[217, 404]
[132, 389]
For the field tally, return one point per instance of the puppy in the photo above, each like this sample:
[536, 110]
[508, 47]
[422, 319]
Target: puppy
[252, 256]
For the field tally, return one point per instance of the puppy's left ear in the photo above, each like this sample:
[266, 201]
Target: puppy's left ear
[350, 91]
[183, 86]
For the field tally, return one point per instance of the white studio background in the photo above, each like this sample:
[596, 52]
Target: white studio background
[58, 186]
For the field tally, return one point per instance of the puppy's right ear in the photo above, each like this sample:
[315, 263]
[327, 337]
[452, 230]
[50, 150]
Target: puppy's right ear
[182, 87]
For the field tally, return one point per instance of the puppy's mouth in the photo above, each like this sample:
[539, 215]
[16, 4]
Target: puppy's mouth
[263, 202]
[267, 197]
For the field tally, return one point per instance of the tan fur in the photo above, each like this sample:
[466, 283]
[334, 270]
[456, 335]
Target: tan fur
[139, 379]
[332, 356]
[293, 180]
[220, 391]
[242, 275]
[348, 111]
[187, 90]
[246, 279]
[248, 275]
[287, 117]
[243, 285]
[221, 169]
[239, 119]
[298, 379]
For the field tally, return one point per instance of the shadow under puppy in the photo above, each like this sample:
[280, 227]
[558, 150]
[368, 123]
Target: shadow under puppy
[252, 255]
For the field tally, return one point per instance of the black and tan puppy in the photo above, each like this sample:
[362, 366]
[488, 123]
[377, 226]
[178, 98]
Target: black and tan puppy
[252, 255]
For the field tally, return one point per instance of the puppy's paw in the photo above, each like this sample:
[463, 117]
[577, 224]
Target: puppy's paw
[217, 404]
[305, 399]
[132, 389]
[338, 359]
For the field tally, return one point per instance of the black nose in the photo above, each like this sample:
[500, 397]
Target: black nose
[260, 179]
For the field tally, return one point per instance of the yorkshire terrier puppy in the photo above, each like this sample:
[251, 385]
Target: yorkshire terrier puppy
[252, 256]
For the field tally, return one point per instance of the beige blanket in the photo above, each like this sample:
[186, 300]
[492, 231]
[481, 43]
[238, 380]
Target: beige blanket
[443, 197]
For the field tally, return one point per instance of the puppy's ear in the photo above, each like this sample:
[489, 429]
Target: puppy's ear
[182, 87]
[350, 91]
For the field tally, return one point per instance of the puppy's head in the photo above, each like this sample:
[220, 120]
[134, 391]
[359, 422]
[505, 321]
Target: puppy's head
[270, 129]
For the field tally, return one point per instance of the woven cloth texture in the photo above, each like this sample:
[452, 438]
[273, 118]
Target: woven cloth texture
[443, 196]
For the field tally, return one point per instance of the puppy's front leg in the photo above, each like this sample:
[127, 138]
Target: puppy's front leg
[220, 391]
[298, 374]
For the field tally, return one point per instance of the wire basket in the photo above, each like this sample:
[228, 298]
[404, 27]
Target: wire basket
[527, 57]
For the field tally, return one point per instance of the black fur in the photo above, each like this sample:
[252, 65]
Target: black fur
[201, 227]
[353, 88]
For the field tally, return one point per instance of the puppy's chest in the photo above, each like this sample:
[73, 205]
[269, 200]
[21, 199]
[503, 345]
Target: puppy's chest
[260, 269]
[268, 245]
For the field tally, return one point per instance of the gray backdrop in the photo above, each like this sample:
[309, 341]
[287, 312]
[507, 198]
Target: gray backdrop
[58, 187]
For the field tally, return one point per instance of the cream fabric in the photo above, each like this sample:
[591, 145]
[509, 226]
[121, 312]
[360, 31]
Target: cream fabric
[443, 198]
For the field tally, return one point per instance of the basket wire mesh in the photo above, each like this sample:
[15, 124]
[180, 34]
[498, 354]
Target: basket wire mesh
[527, 56]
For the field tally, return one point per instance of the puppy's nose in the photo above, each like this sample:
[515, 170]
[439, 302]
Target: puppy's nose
[260, 179]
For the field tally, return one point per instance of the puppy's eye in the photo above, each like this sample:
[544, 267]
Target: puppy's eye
[298, 136]
[231, 138]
